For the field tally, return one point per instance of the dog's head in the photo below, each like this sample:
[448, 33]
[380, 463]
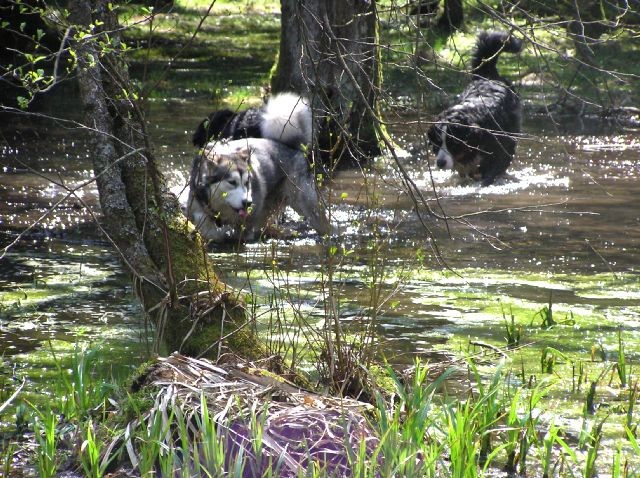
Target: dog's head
[222, 185]
[454, 144]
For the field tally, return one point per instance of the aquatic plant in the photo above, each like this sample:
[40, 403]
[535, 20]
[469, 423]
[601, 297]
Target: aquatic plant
[616, 468]
[409, 428]
[633, 397]
[148, 440]
[44, 430]
[546, 453]
[546, 314]
[548, 359]
[513, 331]
[90, 453]
[461, 429]
[211, 448]
[590, 400]
[514, 427]
[593, 448]
[489, 404]
[531, 420]
[6, 458]
[621, 365]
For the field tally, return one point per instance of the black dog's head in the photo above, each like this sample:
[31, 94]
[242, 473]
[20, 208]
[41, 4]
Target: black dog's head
[212, 127]
[454, 144]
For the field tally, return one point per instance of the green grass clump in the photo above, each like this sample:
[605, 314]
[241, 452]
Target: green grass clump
[429, 423]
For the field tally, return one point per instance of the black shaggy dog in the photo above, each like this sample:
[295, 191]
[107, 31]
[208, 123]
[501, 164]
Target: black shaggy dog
[285, 117]
[477, 136]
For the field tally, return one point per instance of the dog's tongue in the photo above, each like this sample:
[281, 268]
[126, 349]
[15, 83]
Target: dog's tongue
[242, 213]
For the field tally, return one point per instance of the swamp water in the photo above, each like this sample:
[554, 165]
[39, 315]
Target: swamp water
[563, 231]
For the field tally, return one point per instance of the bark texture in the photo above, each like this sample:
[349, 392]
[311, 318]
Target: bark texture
[173, 275]
[329, 52]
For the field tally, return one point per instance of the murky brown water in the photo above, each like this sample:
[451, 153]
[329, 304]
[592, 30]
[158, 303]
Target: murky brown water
[570, 206]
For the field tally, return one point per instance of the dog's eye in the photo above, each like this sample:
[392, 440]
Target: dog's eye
[232, 182]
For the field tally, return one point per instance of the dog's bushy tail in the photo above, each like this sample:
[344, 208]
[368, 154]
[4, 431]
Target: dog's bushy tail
[489, 46]
[287, 118]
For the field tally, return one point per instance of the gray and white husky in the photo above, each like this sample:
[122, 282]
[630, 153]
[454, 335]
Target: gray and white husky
[236, 187]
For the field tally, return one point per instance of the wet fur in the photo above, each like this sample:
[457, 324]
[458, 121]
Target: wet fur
[259, 176]
[477, 136]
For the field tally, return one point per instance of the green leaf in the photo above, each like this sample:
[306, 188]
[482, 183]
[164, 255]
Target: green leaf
[23, 102]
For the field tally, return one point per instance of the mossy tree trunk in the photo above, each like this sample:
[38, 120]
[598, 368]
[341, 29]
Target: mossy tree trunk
[329, 51]
[173, 275]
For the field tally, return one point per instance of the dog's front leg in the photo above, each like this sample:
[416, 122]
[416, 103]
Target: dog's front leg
[304, 199]
[497, 165]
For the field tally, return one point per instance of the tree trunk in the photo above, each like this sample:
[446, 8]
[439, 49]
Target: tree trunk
[329, 52]
[173, 275]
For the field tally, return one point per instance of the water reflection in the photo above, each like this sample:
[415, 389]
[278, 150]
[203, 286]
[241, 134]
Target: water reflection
[567, 208]
[53, 293]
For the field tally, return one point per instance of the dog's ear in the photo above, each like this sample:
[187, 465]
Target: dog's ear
[469, 135]
[242, 155]
[199, 138]
[195, 170]
[201, 193]
[457, 136]
[475, 135]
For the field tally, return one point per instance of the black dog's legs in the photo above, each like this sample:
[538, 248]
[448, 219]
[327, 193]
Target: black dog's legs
[497, 163]
[496, 166]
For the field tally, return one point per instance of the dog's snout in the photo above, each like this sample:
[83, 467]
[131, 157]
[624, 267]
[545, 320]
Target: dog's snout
[246, 204]
[444, 159]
